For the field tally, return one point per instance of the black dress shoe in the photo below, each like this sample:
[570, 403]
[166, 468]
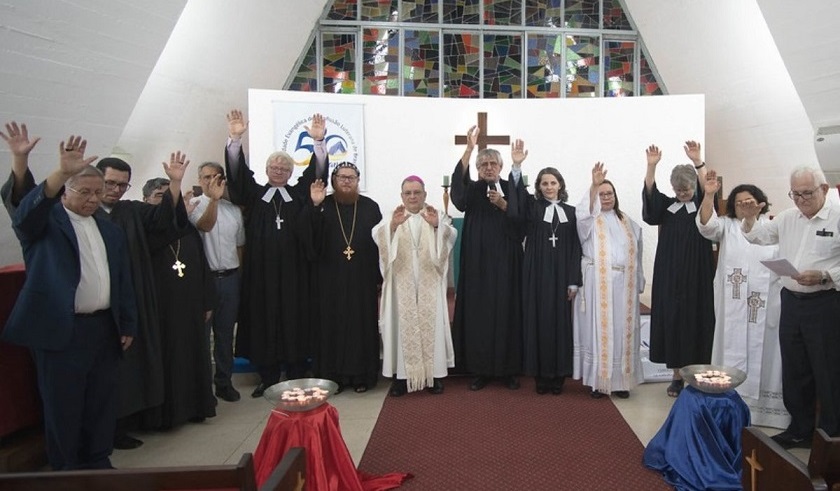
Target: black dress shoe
[542, 385]
[788, 440]
[437, 388]
[479, 383]
[511, 383]
[259, 391]
[557, 385]
[227, 393]
[359, 388]
[125, 442]
[398, 388]
[621, 394]
[596, 394]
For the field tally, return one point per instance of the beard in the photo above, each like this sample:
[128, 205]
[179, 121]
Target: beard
[346, 197]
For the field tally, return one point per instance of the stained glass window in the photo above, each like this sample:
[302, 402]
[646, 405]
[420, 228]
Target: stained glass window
[618, 68]
[421, 68]
[477, 48]
[338, 54]
[462, 74]
[582, 66]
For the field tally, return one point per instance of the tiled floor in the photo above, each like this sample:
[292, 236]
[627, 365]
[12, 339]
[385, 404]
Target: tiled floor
[237, 427]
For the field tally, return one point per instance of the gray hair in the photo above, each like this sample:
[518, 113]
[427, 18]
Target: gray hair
[153, 185]
[282, 157]
[489, 152]
[684, 177]
[212, 165]
[88, 171]
[805, 170]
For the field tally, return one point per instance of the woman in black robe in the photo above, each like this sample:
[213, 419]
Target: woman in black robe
[682, 321]
[550, 278]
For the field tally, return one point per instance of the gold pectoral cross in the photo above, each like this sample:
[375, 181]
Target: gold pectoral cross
[348, 252]
[180, 267]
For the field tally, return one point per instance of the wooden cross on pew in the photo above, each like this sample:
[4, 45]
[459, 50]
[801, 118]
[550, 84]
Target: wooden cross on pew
[484, 137]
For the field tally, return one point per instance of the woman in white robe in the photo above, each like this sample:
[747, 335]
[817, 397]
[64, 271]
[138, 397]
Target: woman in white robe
[747, 304]
[606, 315]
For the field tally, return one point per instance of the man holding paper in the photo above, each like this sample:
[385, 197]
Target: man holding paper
[809, 238]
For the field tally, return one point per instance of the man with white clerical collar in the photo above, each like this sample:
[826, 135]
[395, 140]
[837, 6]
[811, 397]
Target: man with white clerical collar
[414, 247]
[347, 279]
[273, 331]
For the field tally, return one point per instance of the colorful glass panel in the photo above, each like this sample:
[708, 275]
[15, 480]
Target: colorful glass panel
[618, 68]
[583, 14]
[503, 12]
[421, 59]
[338, 55]
[343, 10]
[461, 56]
[544, 13]
[614, 17]
[379, 10]
[648, 84]
[502, 66]
[582, 66]
[306, 78]
[461, 12]
[545, 68]
[419, 11]
[380, 61]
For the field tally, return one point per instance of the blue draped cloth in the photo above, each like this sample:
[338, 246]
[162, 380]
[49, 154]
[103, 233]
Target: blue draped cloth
[699, 445]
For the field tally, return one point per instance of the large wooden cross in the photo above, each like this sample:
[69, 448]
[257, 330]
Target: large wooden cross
[484, 137]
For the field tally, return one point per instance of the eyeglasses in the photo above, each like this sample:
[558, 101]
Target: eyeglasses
[87, 193]
[339, 177]
[488, 163]
[279, 170]
[122, 186]
[608, 194]
[804, 195]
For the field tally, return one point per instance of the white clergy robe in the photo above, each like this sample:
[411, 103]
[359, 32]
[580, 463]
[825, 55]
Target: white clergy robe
[747, 307]
[414, 315]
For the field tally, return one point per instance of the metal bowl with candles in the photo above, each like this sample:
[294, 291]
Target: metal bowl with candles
[302, 394]
[712, 379]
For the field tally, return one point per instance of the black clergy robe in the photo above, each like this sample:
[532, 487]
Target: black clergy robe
[141, 371]
[487, 330]
[682, 317]
[548, 269]
[184, 337]
[346, 311]
[274, 324]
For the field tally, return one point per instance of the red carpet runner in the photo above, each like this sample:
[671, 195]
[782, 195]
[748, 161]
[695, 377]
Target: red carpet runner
[499, 439]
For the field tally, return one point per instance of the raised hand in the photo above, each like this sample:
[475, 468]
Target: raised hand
[430, 214]
[236, 124]
[17, 137]
[711, 186]
[177, 165]
[599, 173]
[318, 192]
[654, 155]
[692, 151]
[188, 204]
[518, 152]
[216, 187]
[72, 156]
[472, 136]
[750, 208]
[319, 127]
[398, 217]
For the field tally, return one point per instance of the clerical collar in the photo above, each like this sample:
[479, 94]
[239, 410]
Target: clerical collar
[690, 207]
[552, 209]
[106, 208]
[269, 194]
[498, 187]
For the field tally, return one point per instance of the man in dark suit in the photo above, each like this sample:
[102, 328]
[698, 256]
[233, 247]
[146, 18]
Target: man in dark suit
[76, 311]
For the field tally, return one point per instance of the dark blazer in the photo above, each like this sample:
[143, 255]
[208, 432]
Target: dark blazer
[42, 317]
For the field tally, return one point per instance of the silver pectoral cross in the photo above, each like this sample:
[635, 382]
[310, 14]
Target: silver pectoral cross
[279, 222]
[553, 240]
[180, 267]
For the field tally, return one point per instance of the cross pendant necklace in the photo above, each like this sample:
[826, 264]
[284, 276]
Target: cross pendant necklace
[178, 266]
[553, 238]
[277, 219]
[349, 250]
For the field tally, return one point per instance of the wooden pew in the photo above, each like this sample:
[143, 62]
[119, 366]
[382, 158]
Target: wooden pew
[825, 459]
[290, 473]
[769, 467]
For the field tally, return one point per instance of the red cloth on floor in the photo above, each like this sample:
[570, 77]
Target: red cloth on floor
[329, 466]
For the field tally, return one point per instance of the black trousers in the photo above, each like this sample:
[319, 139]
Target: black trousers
[809, 338]
[79, 391]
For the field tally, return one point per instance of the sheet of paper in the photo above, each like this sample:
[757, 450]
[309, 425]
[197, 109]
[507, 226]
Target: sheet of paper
[781, 267]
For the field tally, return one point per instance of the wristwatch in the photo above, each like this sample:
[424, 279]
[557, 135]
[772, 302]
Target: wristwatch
[825, 278]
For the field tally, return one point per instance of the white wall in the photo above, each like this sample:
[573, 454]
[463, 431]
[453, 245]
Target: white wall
[405, 136]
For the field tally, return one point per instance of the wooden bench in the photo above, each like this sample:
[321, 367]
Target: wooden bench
[769, 467]
[287, 476]
[825, 459]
